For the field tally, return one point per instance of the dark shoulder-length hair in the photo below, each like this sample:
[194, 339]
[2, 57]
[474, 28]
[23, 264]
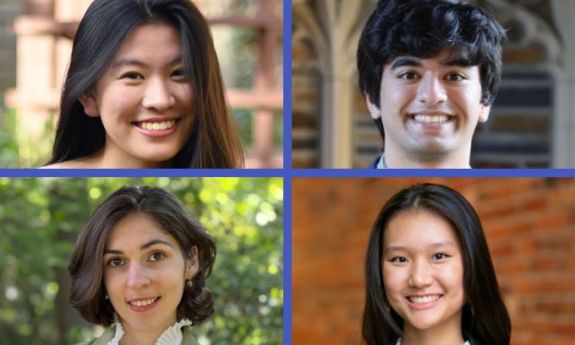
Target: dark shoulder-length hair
[484, 316]
[214, 142]
[86, 264]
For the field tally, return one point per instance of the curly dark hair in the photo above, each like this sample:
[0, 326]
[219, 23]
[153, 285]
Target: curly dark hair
[423, 29]
[86, 268]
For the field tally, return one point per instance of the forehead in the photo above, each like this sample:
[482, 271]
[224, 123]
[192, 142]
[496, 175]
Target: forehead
[417, 228]
[152, 40]
[136, 229]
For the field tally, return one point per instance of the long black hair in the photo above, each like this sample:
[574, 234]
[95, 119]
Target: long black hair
[484, 316]
[213, 143]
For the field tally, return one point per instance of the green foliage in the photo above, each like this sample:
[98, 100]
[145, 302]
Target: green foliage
[40, 218]
[21, 147]
[8, 144]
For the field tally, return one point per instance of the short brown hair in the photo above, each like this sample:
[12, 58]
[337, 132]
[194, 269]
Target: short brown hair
[86, 268]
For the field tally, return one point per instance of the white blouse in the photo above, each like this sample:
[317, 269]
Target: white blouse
[171, 336]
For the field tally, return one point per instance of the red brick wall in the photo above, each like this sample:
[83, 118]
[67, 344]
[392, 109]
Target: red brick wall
[529, 225]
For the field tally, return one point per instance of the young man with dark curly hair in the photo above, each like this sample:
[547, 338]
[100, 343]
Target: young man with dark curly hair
[429, 70]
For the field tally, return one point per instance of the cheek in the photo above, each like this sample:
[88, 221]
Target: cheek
[392, 280]
[117, 101]
[184, 93]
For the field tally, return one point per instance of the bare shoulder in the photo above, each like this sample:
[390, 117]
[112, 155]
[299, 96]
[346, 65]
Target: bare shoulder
[82, 163]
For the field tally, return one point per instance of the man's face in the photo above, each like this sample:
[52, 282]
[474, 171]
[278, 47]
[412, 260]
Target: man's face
[430, 108]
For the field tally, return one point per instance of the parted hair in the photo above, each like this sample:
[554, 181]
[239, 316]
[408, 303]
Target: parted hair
[424, 28]
[484, 316]
[213, 143]
[86, 264]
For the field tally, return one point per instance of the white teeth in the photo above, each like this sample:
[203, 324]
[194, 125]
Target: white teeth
[144, 302]
[431, 119]
[423, 299]
[157, 126]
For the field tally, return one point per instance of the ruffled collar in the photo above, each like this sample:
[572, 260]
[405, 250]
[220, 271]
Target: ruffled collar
[171, 336]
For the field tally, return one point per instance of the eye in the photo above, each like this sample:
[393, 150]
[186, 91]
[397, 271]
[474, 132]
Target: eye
[407, 75]
[398, 260]
[158, 256]
[455, 77]
[440, 256]
[132, 75]
[178, 74]
[115, 262]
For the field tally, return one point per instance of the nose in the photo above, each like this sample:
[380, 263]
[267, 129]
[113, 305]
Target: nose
[420, 275]
[158, 95]
[137, 277]
[430, 90]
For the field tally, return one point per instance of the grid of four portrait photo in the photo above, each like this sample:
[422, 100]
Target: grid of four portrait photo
[352, 172]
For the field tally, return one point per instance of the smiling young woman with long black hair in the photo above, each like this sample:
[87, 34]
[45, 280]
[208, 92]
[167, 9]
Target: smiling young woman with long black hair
[429, 274]
[144, 90]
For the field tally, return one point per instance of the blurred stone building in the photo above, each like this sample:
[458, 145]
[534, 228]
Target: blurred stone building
[531, 124]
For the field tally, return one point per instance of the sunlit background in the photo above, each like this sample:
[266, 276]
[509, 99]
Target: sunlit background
[40, 219]
[35, 47]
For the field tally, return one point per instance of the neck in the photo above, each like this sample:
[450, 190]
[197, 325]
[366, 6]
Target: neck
[144, 335]
[103, 160]
[396, 159]
[449, 334]
[140, 337]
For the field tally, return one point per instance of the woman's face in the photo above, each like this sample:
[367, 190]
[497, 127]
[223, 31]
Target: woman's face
[144, 99]
[423, 270]
[144, 274]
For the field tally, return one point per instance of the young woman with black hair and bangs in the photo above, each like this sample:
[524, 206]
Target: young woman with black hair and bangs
[144, 90]
[139, 267]
[429, 275]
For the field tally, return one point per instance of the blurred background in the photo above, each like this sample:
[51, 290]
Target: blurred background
[40, 219]
[531, 123]
[529, 224]
[35, 46]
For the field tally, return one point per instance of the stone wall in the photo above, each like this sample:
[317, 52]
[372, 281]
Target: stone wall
[518, 134]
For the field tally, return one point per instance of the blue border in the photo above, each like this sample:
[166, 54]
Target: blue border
[286, 172]
[141, 173]
[287, 81]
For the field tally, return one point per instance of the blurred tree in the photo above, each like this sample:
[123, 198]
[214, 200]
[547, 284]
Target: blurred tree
[41, 217]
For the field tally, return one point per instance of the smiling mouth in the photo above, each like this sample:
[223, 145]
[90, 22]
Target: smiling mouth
[142, 303]
[156, 125]
[422, 300]
[432, 119]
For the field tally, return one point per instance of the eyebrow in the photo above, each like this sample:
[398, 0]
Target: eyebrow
[434, 245]
[129, 62]
[415, 62]
[405, 61]
[142, 247]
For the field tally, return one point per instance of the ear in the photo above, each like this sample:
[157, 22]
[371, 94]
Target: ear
[90, 104]
[373, 109]
[484, 112]
[192, 263]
